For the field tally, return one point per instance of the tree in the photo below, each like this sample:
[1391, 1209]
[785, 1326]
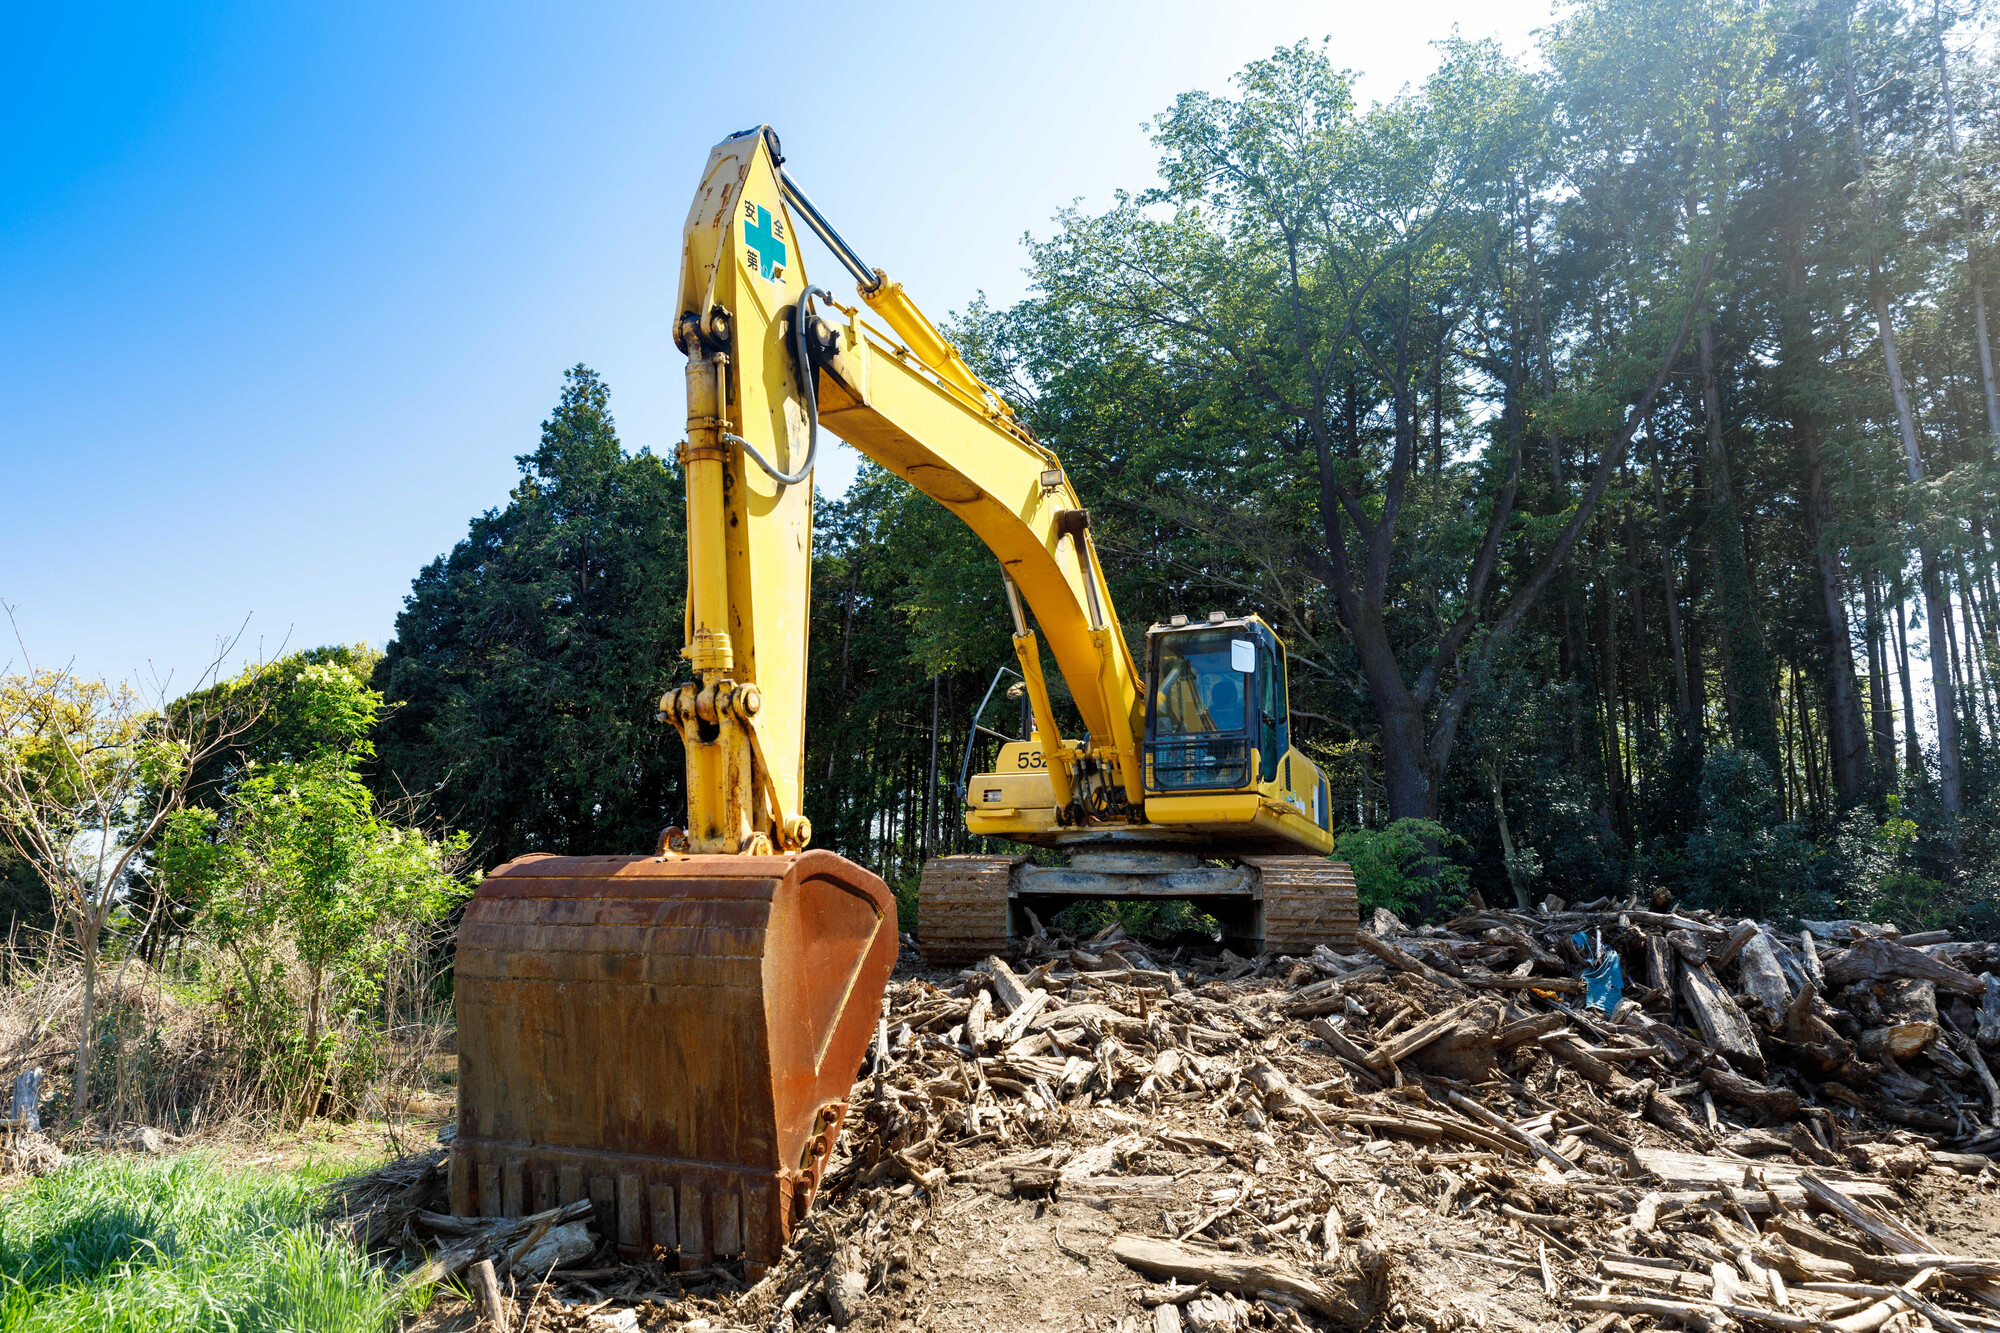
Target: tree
[528, 663]
[1296, 279]
[301, 880]
[89, 775]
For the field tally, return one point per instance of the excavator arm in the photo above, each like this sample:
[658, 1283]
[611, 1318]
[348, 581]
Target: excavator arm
[766, 369]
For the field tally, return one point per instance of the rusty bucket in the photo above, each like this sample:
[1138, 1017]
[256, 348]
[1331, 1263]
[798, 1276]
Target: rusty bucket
[673, 1039]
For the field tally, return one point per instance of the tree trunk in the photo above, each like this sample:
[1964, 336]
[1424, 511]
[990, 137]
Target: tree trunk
[1753, 714]
[314, 980]
[1961, 677]
[87, 1039]
[1950, 783]
[1951, 788]
[1683, 696]
[1515, 878]
[1973, 260]
[1979, 640]
[1846, 735]
[1881, 713]
[1913, 753]
[1406, 760]
[1973, 255]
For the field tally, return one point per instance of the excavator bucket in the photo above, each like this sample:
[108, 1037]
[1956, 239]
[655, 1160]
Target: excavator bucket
[672, 1038]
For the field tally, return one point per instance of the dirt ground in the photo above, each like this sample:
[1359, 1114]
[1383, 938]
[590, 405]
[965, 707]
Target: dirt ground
[953, 1226]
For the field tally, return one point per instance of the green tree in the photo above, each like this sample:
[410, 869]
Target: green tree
[307, 887]
[528, 663]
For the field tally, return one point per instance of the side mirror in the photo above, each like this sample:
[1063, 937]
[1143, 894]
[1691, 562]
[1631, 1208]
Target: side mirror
[1242, 655]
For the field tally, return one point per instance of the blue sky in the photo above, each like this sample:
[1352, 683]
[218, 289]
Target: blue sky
[285, 288]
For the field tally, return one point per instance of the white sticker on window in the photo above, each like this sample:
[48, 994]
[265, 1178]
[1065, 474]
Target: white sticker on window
[1242, 655]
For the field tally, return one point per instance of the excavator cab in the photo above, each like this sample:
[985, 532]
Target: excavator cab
[1216, 705]
[1218, 738]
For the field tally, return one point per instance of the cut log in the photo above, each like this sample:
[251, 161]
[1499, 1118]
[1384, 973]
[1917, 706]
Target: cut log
[1900, 1041]
[1805, 1236]
[1571, 1052]
[1671, 1116]
[1241, 1273]
[1016, 1023]
[1551, 985]
[1680, 1170]
[1874, 1316]
[1527, 1030]
[1466, 1053]
[1760, 977]
[1969, 1048]
[1008, 989]
[487, 1240]
[1805, 1145]
[1343, 1046]
[1704, 1317]
[1630, 1015]
[845, 1285]
[493, 1311]
[1744, 932]
[1778, 1103]
[1881, 960]
[1403, 1043]
[1553, 1223]
[1884, 1231]
[1692, 948]
[1722, 1024]
[1501, 1123]
[1660, 964]
[1989, 1011]
[1809, 952]
[1402, 961]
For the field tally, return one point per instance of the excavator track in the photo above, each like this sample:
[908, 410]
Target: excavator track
[1308, 901]
[963, 908]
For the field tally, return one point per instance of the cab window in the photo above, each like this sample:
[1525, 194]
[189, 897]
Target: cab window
[1199, 689]
[1270, 729]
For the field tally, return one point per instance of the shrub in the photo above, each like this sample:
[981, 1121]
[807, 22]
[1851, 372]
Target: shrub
[1403, 866]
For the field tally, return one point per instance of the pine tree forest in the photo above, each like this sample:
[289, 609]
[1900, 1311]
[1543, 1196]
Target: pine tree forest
[1611, 434]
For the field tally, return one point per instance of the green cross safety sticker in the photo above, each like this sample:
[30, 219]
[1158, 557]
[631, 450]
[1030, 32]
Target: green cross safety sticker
[763, 239]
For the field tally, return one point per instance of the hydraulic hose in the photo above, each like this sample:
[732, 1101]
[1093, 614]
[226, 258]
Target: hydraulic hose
[809, 382]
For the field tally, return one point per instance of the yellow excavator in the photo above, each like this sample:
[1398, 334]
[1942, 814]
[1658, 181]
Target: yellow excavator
[673, 1036]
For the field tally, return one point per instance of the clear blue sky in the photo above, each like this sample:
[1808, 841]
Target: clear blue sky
[285, 288]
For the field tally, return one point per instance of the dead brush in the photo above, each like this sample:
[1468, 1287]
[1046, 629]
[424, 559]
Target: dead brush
[174, 1053]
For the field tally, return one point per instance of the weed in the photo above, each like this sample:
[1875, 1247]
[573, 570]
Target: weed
[143, 1246]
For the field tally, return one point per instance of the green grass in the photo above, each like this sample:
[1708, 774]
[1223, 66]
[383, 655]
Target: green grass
[131, 1245]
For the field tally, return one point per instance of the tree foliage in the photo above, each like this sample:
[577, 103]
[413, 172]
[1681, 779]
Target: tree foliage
[1611, 435]
[304, 888]
[528, 663]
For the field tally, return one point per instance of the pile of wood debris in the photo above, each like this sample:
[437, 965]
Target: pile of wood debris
[1782, 1132]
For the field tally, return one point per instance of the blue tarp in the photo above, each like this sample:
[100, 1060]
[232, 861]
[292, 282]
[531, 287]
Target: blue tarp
[1605, 983]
